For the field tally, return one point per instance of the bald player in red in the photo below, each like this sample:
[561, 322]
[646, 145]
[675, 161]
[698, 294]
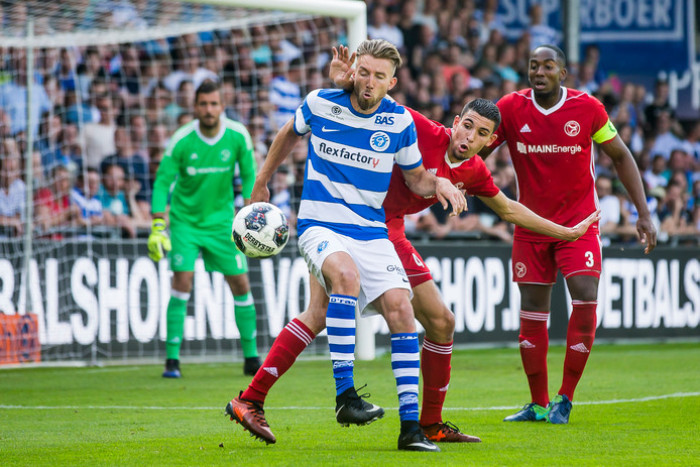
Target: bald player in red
[550, 130]
[449, 153]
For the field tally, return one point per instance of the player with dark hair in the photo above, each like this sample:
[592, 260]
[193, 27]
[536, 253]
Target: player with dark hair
[449, 153]
[549, 130]
[201, 160]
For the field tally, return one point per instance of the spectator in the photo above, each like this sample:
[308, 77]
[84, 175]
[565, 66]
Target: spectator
[675, 215]
[70, 147]
[285, 91]
[134, 166]
[138, 131]
[656, 175]
[627, 104]
[115, 207]
[691, 144]
[156, 102]
[188, 68]
[587, 82]
[658, 106]
[53, 205]
[505, 63]
[379, 28]
[99, 137]
[453, 65]
[5, 125]
[665, 141]
[609, 207]
[127, 75]
[90, 69]
[12, 192]
[680, 165]
[13, 96]
[184, 101]
[540, 33]
[84, 197]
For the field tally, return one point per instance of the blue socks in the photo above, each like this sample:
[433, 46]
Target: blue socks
[405, 362]
[340, 325]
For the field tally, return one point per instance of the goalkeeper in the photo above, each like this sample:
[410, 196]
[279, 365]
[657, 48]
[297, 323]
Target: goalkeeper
[199, 165]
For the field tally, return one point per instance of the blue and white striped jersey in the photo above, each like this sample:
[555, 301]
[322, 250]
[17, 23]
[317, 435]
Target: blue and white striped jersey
[351, 156]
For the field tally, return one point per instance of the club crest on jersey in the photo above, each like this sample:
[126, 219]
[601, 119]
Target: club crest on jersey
[379, 141]
[572, 128]
[336, 110]
[225, 155]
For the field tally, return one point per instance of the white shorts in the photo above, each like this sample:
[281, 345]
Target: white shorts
[376, 260]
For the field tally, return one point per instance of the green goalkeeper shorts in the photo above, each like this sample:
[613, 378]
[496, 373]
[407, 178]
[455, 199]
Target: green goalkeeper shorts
[218, 250]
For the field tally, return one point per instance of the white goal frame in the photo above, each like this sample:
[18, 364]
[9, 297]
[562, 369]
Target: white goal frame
[355, 12]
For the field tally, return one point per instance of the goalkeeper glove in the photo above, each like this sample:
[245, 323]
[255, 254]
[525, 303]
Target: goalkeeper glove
[158, 241]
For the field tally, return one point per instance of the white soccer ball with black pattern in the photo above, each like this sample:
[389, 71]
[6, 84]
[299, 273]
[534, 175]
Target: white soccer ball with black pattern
[260, 230]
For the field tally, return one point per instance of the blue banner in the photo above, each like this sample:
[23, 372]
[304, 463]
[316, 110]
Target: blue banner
[639, 40]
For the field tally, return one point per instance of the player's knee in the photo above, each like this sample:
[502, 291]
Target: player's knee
[346, 281]
[439, 326]
[584, 288]
[399, 316]
[314, 318]
[182, 284]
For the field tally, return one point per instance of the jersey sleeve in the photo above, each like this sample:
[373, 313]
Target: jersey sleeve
[302, 117]
[602, 128]
[426, 130]
[165, 176]
[501, 135]
[246, 163]
[408, 156]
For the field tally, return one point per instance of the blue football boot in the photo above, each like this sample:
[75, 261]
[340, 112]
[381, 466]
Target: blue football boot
[530, 413]
[559, 410]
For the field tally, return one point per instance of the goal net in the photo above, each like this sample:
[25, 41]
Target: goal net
[90, 93]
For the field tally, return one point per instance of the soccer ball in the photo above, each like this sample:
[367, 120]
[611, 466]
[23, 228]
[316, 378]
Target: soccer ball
[260, 230]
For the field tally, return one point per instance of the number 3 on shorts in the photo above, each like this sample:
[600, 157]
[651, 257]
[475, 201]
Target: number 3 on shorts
[589, 259]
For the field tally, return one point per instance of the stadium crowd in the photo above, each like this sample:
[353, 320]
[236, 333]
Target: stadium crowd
[103, 114]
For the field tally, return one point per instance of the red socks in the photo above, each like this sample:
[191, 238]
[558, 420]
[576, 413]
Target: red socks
[435, 368]
[534, 343]
[285, 349]
[579, 340]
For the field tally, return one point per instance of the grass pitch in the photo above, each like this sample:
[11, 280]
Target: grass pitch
[636, 405]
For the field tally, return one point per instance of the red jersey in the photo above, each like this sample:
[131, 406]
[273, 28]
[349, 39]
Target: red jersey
[552, 155]
[433, 143]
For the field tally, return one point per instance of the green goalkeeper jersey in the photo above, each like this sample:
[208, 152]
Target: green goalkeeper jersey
[202, 170]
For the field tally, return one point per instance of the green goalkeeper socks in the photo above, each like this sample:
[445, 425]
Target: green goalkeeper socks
[246, 320]
[177, 310]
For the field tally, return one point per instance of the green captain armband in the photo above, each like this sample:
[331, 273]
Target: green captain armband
[606, 133]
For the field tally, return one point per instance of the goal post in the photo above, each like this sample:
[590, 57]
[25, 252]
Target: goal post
[90, 288]
[355, 12]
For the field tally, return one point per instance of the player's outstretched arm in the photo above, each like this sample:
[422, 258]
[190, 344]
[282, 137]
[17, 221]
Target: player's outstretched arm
[628, 172]
[424, 183]
[512, 211]
[341, 71]
[282, 145]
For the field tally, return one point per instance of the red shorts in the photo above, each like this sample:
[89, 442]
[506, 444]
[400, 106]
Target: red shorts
[412, 262]
[538, 262]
